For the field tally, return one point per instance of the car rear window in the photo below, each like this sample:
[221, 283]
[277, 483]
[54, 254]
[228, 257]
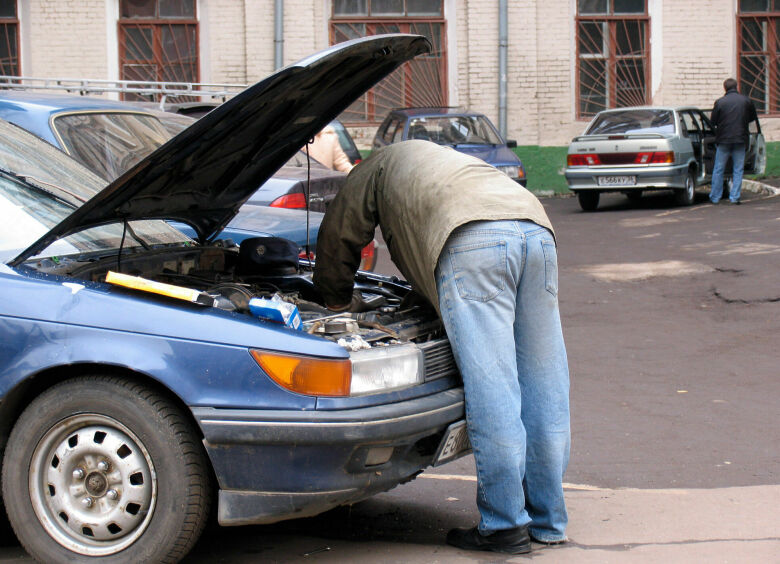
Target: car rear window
[110, 143]
[454, 130]
[632, 121]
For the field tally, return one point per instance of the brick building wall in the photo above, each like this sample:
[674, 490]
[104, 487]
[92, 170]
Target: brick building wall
[695, 59]
[693, 48]
[223, 26]
[66, 38]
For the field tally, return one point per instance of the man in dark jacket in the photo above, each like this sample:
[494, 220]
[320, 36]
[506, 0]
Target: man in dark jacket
[730, 116]
[480, 249]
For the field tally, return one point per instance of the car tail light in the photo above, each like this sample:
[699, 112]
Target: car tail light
[307, 375]
[305, 256]
[658, 157]
[583, 160]
[293, 201]
[665, 157]
[368, 256]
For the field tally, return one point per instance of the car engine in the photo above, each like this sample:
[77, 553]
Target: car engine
[233, 276]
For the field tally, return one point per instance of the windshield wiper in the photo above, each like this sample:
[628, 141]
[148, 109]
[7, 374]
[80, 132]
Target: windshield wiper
[58, 193]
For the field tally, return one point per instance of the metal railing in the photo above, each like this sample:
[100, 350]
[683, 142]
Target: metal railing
[84, 86]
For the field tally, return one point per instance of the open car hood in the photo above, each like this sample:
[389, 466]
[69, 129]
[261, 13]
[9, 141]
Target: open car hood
[203, 175]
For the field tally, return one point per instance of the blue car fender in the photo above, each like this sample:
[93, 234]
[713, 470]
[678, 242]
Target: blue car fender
[200, 354]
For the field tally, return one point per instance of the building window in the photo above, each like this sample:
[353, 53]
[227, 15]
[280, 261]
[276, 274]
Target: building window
[9, 39]
[158, 42]
[420, 82]
[758, 53]
[613, 56]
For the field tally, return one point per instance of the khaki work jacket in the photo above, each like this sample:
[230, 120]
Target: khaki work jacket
[418, 193]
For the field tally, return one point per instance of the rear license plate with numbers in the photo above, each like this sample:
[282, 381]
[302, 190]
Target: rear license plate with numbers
[617, 180]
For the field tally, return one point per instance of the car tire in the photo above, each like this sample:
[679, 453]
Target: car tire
[589, 200]
[634, 195]
[687, 195]
[103, 469]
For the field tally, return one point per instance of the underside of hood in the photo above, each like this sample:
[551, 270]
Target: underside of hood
[203, 175]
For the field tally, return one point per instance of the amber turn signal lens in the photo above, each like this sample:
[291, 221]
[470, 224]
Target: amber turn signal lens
[307, 375]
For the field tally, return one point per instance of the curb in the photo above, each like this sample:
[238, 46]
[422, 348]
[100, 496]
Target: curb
[760, 188]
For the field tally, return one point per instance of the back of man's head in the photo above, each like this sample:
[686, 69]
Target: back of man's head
[729, 84]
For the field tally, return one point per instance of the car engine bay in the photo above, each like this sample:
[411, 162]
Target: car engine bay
[233, 276]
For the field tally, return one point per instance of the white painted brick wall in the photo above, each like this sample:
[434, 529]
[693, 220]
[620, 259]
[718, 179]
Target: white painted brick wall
[259, 29]
[227, 41]
[697, 49]
[68, 39]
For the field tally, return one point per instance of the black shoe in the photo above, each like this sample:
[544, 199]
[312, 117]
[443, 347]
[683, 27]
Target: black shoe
[509, 541]
[737, 203]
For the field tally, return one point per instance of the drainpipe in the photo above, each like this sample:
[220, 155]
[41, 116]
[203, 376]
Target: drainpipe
[278, 34]
[503, 44]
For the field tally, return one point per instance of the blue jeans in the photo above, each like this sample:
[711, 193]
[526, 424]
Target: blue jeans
[737, 153]
[498, 296]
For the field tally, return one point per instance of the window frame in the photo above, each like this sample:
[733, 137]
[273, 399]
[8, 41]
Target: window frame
[404, 24]
[15, 65]
[610, 21]
[770, 52]
[156, 24]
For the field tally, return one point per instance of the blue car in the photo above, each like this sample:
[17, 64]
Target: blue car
[110, 137]
[468, 132]
[146, 376]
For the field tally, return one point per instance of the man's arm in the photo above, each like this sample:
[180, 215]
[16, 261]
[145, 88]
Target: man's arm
[715, 115]
[752, 116]
[348, 226]
[340, 159]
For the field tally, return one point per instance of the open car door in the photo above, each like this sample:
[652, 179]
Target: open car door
[755, 154]
[707, 141]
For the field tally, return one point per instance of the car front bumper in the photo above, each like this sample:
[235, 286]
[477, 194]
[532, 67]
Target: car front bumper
[647, 177]
[276, 465]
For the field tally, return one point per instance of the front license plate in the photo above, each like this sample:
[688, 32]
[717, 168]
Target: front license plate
[617, 180]
[454, 444]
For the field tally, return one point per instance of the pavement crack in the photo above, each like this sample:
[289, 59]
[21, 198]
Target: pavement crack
[624, 547]
[755, 301]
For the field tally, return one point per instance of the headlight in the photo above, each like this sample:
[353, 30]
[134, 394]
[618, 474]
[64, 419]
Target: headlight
[381, 369]
[375, 370]
[510, 171]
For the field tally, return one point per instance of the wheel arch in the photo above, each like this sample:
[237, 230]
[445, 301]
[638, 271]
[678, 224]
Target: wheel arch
[693, 168]
[24, 392]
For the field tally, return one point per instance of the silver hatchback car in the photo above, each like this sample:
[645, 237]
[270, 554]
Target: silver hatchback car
[631, 150]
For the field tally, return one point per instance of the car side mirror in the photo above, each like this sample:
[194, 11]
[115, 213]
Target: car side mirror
[511, 143]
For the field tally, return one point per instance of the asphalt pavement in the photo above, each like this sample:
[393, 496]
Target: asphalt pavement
[671, 317]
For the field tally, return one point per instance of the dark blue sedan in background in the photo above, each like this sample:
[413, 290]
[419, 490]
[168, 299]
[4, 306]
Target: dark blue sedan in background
[468, 132]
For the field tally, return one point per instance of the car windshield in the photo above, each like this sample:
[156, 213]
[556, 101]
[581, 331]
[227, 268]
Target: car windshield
[109, 143]
[299, 159]
[28, 156]
[175, 123]
[632, 121]
[28, 214]
[454, 130]
[40, 186]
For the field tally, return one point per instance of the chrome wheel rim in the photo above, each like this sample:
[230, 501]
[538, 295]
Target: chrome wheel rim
[92, 485]
[689, 189]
